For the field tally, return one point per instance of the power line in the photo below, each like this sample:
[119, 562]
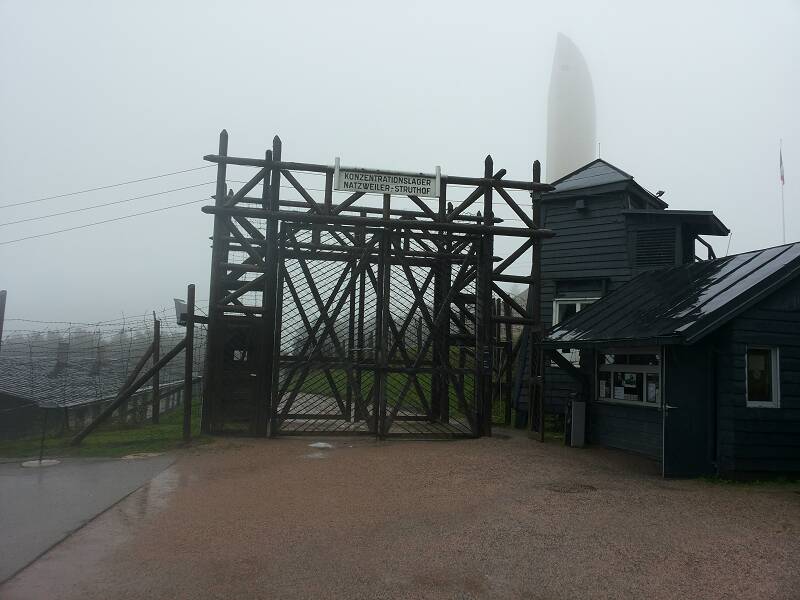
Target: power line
[105, 187]
[74, 210]
[146, 212]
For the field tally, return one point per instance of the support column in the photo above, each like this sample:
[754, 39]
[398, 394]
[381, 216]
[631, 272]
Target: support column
[188, 364]
[212, 415]
[439, 383]
[483, 313]
[361, 408]
[536, 404]
[382, 321]
[266, 422]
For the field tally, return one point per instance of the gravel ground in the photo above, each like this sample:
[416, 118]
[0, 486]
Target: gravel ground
[488, 518]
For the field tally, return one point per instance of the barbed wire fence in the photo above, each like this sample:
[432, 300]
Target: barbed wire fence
[57, 377]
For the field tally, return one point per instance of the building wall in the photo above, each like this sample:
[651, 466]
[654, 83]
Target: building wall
[633, 428]
[760, 439]
[588, 257]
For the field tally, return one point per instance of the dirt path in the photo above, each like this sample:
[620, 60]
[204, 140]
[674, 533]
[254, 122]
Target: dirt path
[487, 518]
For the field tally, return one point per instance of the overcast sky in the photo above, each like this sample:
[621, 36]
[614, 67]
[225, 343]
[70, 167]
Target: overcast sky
[692, 98]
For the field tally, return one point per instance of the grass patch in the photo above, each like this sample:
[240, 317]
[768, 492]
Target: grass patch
[113, 440]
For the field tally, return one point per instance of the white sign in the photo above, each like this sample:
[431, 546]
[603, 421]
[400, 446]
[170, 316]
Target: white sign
[352, 179]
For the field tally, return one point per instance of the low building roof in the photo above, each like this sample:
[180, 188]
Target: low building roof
[679, 304]
[701, 222]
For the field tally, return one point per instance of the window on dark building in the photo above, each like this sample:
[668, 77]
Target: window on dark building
[563, 309]
[763, 377]
[630, 377]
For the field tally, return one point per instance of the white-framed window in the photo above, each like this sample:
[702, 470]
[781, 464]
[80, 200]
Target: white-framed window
[564, 308]
[630, 376]
[763, 377]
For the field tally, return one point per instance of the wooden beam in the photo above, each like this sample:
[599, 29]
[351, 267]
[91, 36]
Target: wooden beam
[400, 224]
[129, 391]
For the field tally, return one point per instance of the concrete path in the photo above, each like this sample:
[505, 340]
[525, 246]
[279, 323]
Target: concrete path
[41, 506]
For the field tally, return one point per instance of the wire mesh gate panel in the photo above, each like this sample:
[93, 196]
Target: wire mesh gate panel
[357, 337]
[372, 315]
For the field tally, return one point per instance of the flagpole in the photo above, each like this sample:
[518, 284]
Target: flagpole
[783, 206]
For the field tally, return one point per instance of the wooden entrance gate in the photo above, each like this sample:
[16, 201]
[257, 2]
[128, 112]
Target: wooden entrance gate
[357, 317]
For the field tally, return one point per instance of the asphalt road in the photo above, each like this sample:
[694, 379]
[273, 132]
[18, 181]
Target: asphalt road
[487, 518]
[41, 506]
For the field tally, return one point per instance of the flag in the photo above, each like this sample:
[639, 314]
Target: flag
[780, 154]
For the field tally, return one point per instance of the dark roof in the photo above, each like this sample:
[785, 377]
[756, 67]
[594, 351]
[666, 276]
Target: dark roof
[701, 222]
[680, 304]
[597, 172]
[602, 176]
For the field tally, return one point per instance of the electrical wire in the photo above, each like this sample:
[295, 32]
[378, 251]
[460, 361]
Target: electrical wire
[74, 210]
[105, 187]
[146, 212]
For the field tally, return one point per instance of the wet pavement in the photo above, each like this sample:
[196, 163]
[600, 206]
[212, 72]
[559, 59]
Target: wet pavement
[487, 518]
[41, 506]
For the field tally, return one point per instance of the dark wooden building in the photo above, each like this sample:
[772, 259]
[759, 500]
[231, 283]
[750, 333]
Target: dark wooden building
[697, 365]
[608, 229]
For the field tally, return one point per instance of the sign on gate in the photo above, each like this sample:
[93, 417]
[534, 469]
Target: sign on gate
[371, 181]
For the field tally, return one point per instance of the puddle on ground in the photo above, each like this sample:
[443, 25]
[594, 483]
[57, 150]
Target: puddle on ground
[35, 464]
[140, 455]
[315, 455]
[321, 445]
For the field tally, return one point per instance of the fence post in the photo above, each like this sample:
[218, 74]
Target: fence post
[187, 370]
[156, 405]
[3, 294]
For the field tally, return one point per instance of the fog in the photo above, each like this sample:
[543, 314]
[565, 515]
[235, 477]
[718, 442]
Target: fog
[691, 98]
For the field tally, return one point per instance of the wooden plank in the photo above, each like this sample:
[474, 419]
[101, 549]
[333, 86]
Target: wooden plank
[399, 224]
[424, 207]
[247, 187]
[515, 207]
[129, 391]
[301, 190]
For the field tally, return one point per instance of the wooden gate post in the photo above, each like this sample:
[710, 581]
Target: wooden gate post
[266, 405]
[483, 312]
[188, 364]
[362, 408]
[382, 316]
[536, 403]
[219, 255]
[156, 402]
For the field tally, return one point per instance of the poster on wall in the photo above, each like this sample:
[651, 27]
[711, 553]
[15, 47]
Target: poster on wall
[619, 393]
[652, 392]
